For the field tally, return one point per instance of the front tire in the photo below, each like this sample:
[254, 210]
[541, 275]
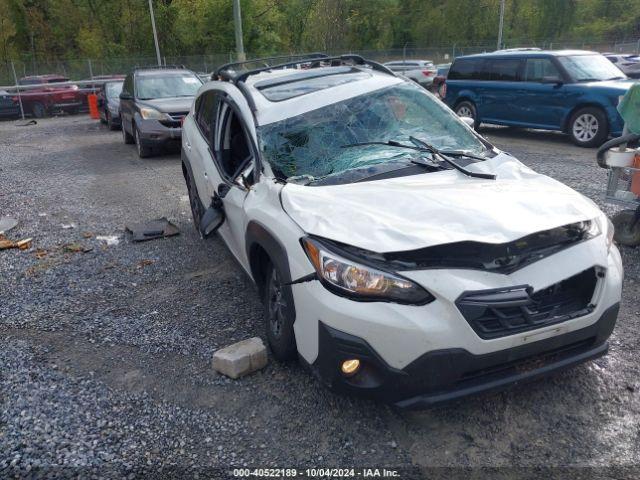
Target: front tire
[468, 109]
[588, 127]
[197, 209]
[143, 151]
[279, 315]
[126, 137]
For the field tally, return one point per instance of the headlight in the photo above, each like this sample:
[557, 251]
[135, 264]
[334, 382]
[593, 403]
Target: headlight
[152, 114]
[352, 279]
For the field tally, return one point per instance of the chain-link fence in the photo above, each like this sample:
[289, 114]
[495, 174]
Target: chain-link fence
[83, 69]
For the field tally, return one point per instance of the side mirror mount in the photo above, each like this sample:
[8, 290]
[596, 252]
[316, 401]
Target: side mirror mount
[552, 80]
[211, 221]
[125, 96]
[469, 121]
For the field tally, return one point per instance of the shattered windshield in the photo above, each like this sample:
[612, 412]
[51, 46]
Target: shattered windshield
[312, 144]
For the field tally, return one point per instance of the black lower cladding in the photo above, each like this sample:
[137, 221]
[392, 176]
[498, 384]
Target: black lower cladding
[499, 312]
[444, 375]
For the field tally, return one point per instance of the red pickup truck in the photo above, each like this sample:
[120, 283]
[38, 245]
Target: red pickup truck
[40, 98]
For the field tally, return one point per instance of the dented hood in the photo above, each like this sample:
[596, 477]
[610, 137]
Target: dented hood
[419, 211]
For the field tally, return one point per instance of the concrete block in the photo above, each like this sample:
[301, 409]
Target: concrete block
[240, 358]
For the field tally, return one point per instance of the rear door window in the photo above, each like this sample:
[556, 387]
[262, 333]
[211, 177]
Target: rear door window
[503, 69]
[468, 69]
[537, 69]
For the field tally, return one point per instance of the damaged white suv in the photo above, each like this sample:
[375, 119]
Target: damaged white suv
[397, 252]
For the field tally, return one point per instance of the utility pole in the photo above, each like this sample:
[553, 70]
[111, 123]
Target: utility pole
[501, 24]
[237, 20]
[155, 33]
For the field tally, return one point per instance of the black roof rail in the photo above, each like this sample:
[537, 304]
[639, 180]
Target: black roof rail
[159, 67]
[316, 62]
[265, 61]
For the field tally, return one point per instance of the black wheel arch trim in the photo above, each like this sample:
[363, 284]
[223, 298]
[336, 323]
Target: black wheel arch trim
[258, 235]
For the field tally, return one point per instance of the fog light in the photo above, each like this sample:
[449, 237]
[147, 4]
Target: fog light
[350, 367]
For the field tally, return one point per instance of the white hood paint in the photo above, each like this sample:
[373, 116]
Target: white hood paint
[419, 211]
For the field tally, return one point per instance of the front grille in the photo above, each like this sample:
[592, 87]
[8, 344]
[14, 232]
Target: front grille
[497, 313]
[176, 119]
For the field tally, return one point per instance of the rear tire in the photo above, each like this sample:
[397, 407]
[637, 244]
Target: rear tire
[38, 110]
[588, 127]
[126, 137]
[467, 109]
[279, 315]
[110, 123]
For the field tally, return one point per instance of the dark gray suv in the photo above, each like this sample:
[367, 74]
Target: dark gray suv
[153, 103]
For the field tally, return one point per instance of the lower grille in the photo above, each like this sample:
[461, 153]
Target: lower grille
[502, 312]
[176, 119]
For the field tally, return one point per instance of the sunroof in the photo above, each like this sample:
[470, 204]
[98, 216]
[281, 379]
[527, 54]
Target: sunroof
[290, 86]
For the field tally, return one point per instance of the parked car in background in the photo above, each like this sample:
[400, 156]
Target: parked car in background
[437, 87]
[109, 103]
[405, 257]
[153, 103]
[9, 107]
[573, 91]
[93, 86]
[42, 96]
[420, 71]
[629, 64]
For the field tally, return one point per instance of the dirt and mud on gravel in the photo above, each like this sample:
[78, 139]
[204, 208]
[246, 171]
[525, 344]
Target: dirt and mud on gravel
[105, 358]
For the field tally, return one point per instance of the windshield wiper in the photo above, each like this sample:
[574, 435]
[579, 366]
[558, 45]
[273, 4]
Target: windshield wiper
[443, 155]
[388, 143]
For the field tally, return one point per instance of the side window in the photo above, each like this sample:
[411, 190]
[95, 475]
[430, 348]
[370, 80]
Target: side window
[503, 69]
[468, 69]
[537, 69]
[206, 114]
[235, 149]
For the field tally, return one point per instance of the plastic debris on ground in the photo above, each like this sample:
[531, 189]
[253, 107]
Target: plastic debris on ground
[6, 224]
[108, 239]
[152, 229]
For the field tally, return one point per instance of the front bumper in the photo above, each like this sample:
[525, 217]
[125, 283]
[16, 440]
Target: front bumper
[402, 337]
[445, 375]
[154, 134]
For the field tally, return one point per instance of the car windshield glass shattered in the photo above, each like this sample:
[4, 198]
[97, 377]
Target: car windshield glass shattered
[312, 144]
[113, 89]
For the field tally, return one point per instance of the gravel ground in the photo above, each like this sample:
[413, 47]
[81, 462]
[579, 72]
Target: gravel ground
[105, 353]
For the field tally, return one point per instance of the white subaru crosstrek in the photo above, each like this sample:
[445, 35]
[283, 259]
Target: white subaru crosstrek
[398, 254]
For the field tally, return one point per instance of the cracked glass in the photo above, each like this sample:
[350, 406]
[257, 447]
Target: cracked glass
[311, 145]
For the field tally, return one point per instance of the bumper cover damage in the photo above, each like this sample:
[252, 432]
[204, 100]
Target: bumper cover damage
[445, 375]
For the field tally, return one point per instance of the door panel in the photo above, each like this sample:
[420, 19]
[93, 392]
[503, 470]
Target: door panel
[542, 102]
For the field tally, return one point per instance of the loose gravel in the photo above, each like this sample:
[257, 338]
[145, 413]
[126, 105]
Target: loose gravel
[105, 357]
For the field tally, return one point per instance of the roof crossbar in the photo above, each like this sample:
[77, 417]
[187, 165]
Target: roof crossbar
[316, 62]
[264, 60]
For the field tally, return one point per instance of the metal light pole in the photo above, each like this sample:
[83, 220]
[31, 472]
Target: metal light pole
[501, 24]
[237, 20]
[155, 33]
[15, 78]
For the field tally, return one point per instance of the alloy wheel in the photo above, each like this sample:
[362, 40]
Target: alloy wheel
[585, 127]
[464, 111]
